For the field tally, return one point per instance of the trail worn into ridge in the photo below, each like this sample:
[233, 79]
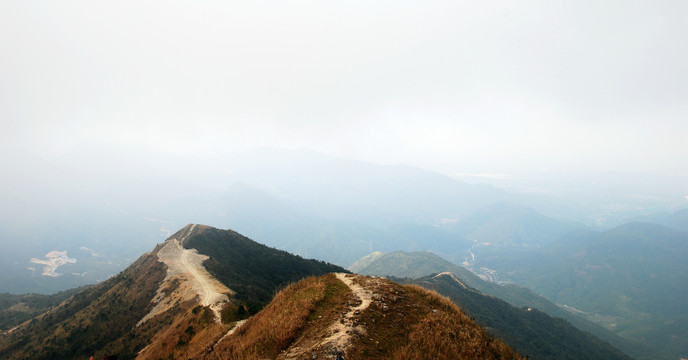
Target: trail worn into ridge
[338, 335]
[185, 266]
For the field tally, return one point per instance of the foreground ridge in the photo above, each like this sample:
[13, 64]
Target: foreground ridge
[363, 317]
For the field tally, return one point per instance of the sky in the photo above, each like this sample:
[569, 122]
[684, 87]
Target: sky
[489, 88]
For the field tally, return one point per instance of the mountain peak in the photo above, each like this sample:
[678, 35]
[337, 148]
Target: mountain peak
[185, 232]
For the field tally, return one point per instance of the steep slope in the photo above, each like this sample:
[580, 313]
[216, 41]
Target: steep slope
[95, 320]
[529, 330]
[363, 317]
[166, 303]
[422, 264]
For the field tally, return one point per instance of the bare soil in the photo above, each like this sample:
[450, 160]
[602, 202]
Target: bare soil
[188, 279]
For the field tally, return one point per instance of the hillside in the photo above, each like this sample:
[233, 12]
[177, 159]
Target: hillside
[363, 317]
[632, 279]
[529, 330]
[15, 309]
[163, 291]
[421, 264]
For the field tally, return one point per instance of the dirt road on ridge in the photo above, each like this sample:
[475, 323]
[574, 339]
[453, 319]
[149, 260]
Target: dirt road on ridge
[187, 266]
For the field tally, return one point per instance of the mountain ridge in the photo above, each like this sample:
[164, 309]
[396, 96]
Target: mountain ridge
[108, 318]
[157, 308]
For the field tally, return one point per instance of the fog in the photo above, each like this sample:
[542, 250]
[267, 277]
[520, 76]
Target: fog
[456, 87]
[131, 119]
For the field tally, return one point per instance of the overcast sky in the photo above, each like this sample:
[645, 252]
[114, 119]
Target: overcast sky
[460, 87]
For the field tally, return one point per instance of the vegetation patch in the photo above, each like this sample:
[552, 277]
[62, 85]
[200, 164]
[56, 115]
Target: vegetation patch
[15, 309]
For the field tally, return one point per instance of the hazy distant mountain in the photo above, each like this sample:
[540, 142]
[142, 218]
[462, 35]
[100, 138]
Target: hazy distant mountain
[421, 264]
[676, 220]
[632, 279]
[185, 298]
[358, 191]
[508, 225]
[499, 230]
[105, 197]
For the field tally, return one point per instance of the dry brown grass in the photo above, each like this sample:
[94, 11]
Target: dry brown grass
[409, 322]
[447, 333]
[276, 327]
[188, 337]
[402, 322]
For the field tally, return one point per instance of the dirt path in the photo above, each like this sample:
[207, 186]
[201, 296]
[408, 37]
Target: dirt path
[231, 331]
[185, 265]
[340, 332]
